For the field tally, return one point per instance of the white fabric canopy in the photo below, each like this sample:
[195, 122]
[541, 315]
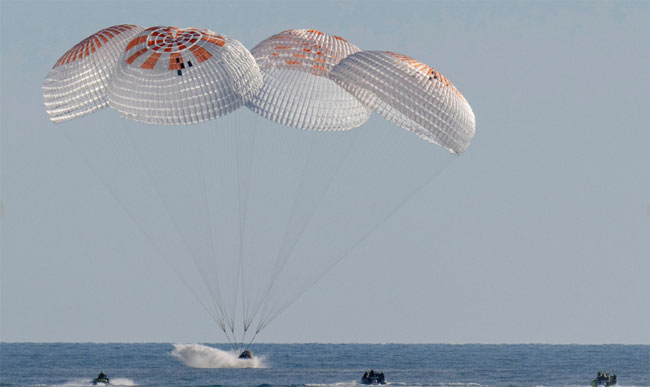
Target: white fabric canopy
[77, 83]
[172, 76]
[409, 93]
[296, 91]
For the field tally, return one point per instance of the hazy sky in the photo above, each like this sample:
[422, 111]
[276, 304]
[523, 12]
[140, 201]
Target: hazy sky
[538, 233]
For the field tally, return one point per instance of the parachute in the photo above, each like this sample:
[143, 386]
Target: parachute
[76, 84]
[393, 84]
[248, 211]
[296, 91]
[164, 71]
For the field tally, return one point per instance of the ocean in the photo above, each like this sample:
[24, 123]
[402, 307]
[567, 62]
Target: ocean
[69, 364]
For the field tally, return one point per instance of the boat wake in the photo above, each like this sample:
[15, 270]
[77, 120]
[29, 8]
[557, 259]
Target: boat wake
[388, 383]
[88, 382]
[201, 356]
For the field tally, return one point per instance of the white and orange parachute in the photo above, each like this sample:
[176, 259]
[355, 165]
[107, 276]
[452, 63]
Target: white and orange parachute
[301, 78]
[296, 91]
[182, 76]
[77, 83]
[250, 219]
[161, 75]
[409, 93]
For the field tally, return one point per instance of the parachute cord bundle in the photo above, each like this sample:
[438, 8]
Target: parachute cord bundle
[283, 256]
[250, 218]
[355, 190]
[308, 197]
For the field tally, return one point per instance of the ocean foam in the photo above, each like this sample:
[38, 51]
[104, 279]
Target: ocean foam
[201, 356]
[89, 382]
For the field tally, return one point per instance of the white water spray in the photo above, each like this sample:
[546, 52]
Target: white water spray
[86, 382]
[201, 356]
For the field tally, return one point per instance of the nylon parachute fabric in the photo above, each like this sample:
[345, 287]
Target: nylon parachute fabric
[168, 75]
[296, 91]
[77, 83]
[409, 93]
[248, 212]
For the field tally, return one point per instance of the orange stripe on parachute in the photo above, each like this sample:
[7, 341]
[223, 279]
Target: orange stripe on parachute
[135, 56]
[427, 70]
[135, 42]
[150, 62]
[200, 53]
[173, 64]
[214, 39]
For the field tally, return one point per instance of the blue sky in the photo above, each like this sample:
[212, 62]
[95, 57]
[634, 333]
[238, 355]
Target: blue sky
[538, 233]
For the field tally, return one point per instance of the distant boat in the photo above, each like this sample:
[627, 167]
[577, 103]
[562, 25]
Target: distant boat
[604, 379]
[372, 377]
[102, 379]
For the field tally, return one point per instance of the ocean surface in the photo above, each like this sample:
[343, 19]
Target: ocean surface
[65, 364]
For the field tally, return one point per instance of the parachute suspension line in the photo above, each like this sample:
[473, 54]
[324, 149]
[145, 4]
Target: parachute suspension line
[218, 312]
[215, 278]
[233, 126]
[383, 220]
[278, 263]
[243, 340]
[364, 153]
[132, 216]
[225, 132]
[289, 150]
[215, 298]
[270, 314]
[246, 141]
[232, 343]
[213, 311]
[284, 254]
[243, 190]
[251, 341]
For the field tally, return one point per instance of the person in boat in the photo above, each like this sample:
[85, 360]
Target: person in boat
[101, 378]
[604, 379]
[372, 377]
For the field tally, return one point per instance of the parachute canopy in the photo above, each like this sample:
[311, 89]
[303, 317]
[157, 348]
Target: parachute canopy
[296, 91]
[168, 75]
[409, 93]
[76, 84]
[161, 75]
